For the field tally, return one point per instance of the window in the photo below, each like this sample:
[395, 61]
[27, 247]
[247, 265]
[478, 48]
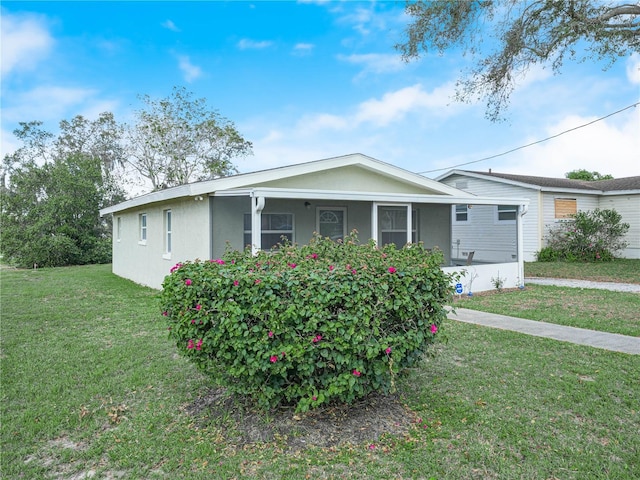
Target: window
[461, 213]
[331, 222]
[119, 228]
[142, 220]
[565, 207]
[167, 233]
[507, 213]
[392, 221]
[274, 226]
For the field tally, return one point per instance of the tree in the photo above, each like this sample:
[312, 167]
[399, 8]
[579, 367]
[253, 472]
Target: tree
[177, 140]
[49, 213]
[526, 33]
[583, 174]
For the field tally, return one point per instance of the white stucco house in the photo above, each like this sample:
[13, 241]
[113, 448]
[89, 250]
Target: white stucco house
[551, 200]
[333, 196]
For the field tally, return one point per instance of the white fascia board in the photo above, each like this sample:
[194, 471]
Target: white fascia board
[153, 197]
[301, 194]
[620, 192]
[490, 178]
[576, 191]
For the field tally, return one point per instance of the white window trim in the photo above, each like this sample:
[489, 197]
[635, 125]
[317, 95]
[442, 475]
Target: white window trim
[118, 229]
[344, 218]
[263, 232]
[454, 218]
[145, 229]
[168, 237]
[497, 220]
[410, 227]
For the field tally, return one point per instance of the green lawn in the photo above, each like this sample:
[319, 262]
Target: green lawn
[90, 383]
[619, 270]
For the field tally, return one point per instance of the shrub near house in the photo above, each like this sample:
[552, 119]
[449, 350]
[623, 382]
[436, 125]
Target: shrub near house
[308, 325]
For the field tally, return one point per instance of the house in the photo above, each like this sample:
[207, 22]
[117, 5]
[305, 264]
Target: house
[333, 196]
[551, 200]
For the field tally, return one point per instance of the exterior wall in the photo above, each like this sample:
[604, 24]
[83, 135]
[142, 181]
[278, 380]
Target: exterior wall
[350, 178]
[227, 228]
[629, 207]
[479, 278]
[147, 263]
[583, 203]
[494, 241]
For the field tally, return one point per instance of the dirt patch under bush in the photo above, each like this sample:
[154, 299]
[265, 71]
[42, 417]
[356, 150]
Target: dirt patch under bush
[363, 422]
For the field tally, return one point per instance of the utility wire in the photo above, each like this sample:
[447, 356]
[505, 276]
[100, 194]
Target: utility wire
[533, 143]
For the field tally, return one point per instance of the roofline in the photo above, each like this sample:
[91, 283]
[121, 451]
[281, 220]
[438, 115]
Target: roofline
[246, 179]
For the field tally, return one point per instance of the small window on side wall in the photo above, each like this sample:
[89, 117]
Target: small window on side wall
[565, 207]
[119, 228]
[167, 233]
[461, 213]
[507, 213]
[142, 222]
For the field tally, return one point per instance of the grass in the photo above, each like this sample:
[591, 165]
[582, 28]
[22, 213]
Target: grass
[600, 310]
[91, 385]
[619, 270]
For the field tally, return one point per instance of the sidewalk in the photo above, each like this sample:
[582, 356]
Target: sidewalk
[580, 336]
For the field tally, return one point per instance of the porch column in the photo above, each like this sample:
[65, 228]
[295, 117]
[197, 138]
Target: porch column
[522, 209]
[409, 223]
[257, 204]
[374, 222]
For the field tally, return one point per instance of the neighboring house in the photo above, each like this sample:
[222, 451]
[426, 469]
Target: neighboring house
[332, 197]
[551, 200]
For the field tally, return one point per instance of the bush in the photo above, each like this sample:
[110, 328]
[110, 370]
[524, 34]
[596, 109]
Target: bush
[591, 236]
[308, 325]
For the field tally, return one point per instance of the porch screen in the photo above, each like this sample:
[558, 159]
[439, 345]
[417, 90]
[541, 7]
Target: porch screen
[392, 223]
[274, 227]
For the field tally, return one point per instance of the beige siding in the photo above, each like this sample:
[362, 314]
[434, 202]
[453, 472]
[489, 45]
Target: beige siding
[147, 262]
[629, 207]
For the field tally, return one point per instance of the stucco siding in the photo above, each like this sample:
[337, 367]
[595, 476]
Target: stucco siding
[147, 262]
[351, 178]
[628, 206]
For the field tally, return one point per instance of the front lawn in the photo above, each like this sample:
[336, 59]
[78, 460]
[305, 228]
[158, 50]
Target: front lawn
[91, 386]
[619, 270]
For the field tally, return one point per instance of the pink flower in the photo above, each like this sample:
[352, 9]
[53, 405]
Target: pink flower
[314, 398]
[388, 351]
[199, 345]
[236, 283]
[434, 328]
[165, 313]
[273, 359]
[317, 338]
[198, 307]
[356, 373]
[353, 271]
[175, 267]
[193, 321]
[270, 334]
[190, 344]
[331, 267]
[314, 256]
[392, 270]
[218, 261]
[292, 265]
[188, 282]
[257, 281]
[372, 447]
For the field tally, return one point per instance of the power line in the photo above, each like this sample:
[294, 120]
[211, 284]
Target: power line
[533, 143]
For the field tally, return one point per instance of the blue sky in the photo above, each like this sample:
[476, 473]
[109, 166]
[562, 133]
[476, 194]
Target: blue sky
[308, 80]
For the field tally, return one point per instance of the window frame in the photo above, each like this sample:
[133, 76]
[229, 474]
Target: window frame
[167, 217]
[564, 200]
[456, 220]
[279, 232]
[506, 209]
[143, 225]
[397, 206]
[321, 209]
[118, 228]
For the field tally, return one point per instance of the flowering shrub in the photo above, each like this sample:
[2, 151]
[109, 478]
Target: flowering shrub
[308, 325]
[591, 236]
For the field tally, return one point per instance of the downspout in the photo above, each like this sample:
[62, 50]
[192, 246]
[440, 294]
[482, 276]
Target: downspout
[409, 223]
[374, 222]
[522, 210]
[257, 204]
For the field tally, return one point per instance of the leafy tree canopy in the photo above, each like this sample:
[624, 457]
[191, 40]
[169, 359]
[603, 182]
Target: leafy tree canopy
[178, 139]
[583, 174]
[505, 38]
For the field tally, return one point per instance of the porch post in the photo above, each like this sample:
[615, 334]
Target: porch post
[409, 223]
[522, 209]
[374, 222]
[257, 204]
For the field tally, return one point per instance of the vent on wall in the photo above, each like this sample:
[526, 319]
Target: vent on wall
[462, 185]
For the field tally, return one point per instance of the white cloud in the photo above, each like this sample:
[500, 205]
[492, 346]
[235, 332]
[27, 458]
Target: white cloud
[191, 72]
[375, 62]
[25, 41]
[610, 146]
[247, 44]
[633, 69]
[169, 25]
[59, 101]
[303, 48]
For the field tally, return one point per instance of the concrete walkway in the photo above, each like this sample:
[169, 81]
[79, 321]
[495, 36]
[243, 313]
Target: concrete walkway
[580, 336]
